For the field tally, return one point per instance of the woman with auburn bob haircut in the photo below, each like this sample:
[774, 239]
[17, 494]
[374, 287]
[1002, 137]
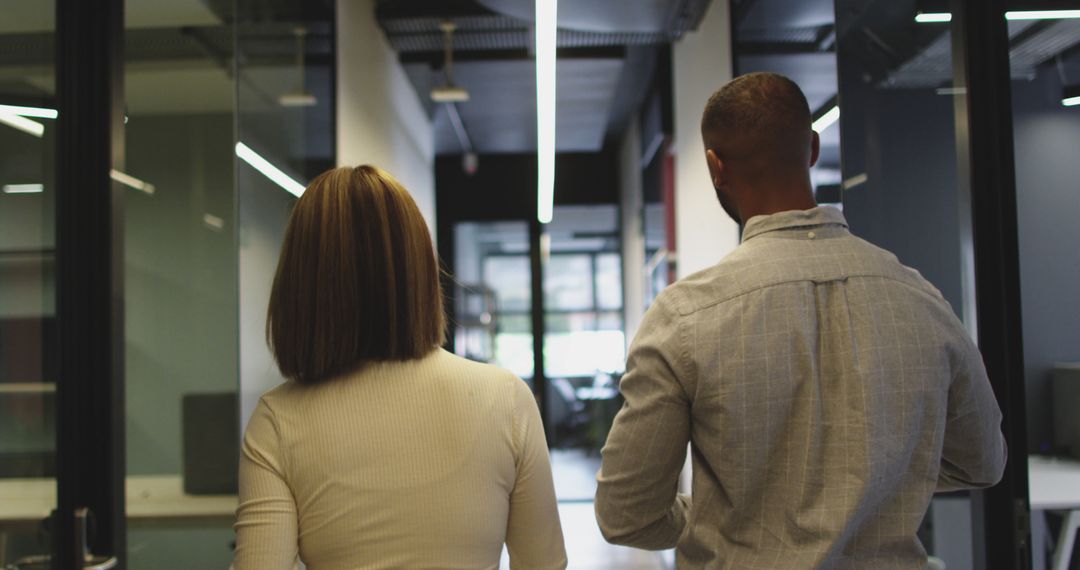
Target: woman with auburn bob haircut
[382, 450]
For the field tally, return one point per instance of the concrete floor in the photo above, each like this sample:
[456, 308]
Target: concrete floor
[575, 485]
[586, 548]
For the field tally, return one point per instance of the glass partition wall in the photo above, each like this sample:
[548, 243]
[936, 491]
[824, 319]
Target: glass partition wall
[229, 113]
[27, 278]
[1046, 127]
[217, 95]
[180, 278]
[921, 162]
[897, 112]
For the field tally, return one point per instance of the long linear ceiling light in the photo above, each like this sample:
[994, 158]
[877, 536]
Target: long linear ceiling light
[132, 182]
[546, 25]
[1043, 15]
[933, 17]
[40, 112]
[22, 123]
[942, 17]
[268, 170]
[1071, 96]
[24, 188]
[827, 120]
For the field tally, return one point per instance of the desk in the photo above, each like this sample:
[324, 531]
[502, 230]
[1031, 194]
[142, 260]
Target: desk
[151, 498]
[589, 393]
[1055, 486]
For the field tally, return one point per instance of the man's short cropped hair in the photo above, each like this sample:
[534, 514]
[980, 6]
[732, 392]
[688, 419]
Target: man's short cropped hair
[761, 111]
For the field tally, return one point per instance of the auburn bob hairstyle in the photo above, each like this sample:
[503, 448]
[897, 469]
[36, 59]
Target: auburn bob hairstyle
[357, 280]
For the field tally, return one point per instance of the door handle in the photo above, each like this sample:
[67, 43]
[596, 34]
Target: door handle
[90, 562]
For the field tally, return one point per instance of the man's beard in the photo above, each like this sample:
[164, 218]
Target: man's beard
[728, 207]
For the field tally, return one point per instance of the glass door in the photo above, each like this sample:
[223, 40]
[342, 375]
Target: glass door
[928, 173]
[900, 183]
[180, 285]
[1045, 121]
[28, 347]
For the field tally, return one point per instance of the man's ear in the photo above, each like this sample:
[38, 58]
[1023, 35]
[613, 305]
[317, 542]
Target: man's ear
[815, 148]
[716, 167]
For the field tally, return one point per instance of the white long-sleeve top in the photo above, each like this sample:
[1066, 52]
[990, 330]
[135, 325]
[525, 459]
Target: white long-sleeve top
[430, 463]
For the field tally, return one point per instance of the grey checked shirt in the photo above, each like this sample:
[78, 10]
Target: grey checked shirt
[826, 392]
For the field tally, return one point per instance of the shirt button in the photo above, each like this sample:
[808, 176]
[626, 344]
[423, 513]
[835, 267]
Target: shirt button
[811, 235]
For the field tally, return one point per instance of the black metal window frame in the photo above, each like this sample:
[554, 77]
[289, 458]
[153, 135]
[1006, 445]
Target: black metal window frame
[90, 296]
[90, 405]
[984, 144]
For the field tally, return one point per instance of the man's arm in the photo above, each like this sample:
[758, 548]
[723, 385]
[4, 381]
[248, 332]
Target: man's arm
[636, 497]
[974, 452]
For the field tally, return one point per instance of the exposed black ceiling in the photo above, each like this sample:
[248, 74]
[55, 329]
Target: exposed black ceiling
[795, 38]
[606, 51]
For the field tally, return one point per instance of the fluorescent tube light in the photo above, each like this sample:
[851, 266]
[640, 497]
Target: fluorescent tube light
[22, 123]
[1070, 96]
[23, 188]
[855, 181]
[39, 112]
[213, 222]
[131, 182]
[546, 36]
[268, 170]
[933, 17]
[1042, 15]
[937, 17]
[825, 121]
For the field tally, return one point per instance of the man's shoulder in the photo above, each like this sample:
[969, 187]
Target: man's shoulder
[761, 264]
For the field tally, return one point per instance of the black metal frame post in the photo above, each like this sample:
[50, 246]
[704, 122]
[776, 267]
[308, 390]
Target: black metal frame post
[89, 276]
[536, 262]
[986, 176]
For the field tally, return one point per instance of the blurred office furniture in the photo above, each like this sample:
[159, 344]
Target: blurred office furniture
[602, 401]
[566, 414]
[211, 442]
[1054, 486]
[27, 393]
[1065, 388]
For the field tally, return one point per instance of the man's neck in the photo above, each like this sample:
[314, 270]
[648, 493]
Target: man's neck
[772, 202]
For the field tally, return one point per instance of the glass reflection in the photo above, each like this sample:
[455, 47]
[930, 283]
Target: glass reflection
[27, 278]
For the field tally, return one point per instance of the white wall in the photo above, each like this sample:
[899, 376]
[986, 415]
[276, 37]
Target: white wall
[701, 64]
[264, 211]
[631, 198]
[380, 120]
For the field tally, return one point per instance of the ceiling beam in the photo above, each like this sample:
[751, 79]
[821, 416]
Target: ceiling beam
[396, 9]
[435, 59]
[777, 48]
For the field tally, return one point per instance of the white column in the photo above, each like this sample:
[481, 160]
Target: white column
[704, 234]
[380, 119]
[701, 64]
[631, 198]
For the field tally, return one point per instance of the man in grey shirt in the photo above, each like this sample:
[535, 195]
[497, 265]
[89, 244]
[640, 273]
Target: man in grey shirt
[826, 391]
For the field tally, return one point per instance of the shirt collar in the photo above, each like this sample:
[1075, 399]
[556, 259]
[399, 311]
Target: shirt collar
[819, 216]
